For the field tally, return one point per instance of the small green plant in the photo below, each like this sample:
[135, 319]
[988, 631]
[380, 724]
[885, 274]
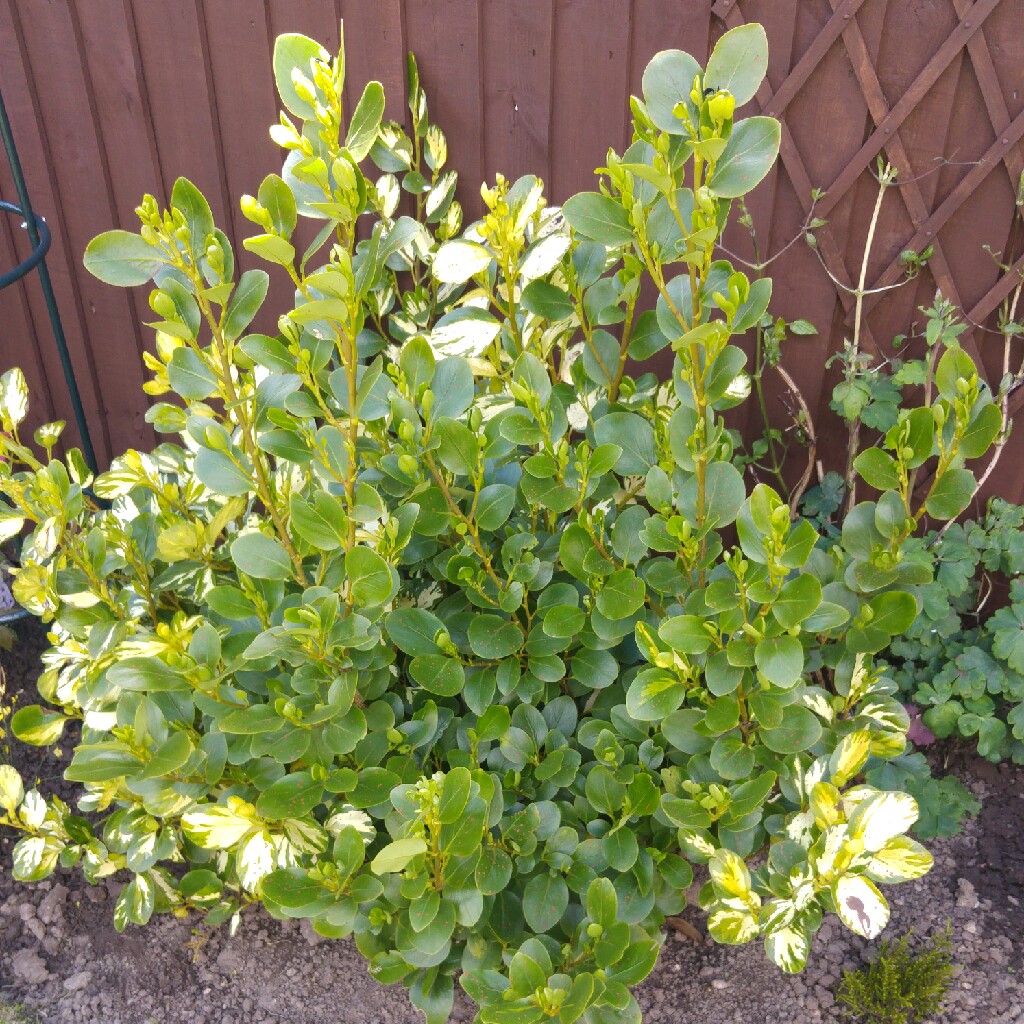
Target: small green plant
[433, 625]
[900, 986]
[962, 660]
[17, 1013]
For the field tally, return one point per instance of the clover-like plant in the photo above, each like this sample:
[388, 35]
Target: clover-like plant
[434, 623]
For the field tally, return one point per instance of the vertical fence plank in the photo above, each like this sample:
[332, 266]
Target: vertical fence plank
[516, 57]
[445, 36]
[589, 94]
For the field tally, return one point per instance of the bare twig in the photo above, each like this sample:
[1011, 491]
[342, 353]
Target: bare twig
[885, 179]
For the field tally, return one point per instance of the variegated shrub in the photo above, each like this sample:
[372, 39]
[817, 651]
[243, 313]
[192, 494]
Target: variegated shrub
[433, 621]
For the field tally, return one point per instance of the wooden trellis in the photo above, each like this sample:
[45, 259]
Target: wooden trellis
[140, 91]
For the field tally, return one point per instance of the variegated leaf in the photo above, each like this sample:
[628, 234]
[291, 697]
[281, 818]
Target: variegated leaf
[881, 817]
[11, 789]
[861, 907]
[787, 948]
[825, 804]
[732, 925]
[729, 874]
[849, 756]
[902, 859]
[215, 827]
[255, 859]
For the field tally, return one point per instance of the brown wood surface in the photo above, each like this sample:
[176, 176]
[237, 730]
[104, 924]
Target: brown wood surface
[113, 98]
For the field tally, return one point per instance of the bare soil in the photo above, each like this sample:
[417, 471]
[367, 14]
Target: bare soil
[62, 960]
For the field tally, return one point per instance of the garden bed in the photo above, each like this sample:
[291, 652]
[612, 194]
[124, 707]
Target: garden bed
[60, 954]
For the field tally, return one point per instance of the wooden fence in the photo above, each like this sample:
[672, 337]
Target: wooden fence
[113, 98]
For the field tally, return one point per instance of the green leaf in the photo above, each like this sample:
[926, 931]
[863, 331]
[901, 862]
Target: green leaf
[494, 505]
[453, 387]
[412, 630]
[622, 595]
[494, 638]
[438, 674]
[292, 796]
[189, 201]
[894, 612]
[544, 901]
[493, 870]
[634, 435]
[799, 731]
[454, 795]
[373, 788]
[686, 634]
[739, 62]
[599, 217]
[169, 756]
[981, 432]
[731, 758]
[222, 474]
[278, 200]
[595, 669]
[747, 158]
[271, 248]
[547, 300]
[245, 302]
[780, 659]
[291, 888]
[190, 376]
[37, 725]
[458, 447]
[954, 366]
[797, 601]
[320, 522]
[144, 673]
[261, 557]
[365, 122]
[370, 576]
[295, 52]
[397, 855]
[668, 81]
[122, 258]
[878, 469]
[951, 494]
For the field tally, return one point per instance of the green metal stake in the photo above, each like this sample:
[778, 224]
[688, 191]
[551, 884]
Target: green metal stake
[44, 280]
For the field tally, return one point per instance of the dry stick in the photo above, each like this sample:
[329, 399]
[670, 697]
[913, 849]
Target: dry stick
[853, 440]
[812, 441]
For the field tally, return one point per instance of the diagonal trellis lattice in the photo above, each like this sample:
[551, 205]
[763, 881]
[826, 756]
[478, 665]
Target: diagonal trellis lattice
[886, 137]
[842, 28]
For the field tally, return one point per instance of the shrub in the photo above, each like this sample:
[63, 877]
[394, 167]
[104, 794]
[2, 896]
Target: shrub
[898, 986]
[435, 625]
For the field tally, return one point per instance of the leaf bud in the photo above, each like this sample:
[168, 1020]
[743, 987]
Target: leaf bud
[251, 209]
[721, 107]
[163, 305]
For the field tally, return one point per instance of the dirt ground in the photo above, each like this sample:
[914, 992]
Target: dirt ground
[62, 961]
